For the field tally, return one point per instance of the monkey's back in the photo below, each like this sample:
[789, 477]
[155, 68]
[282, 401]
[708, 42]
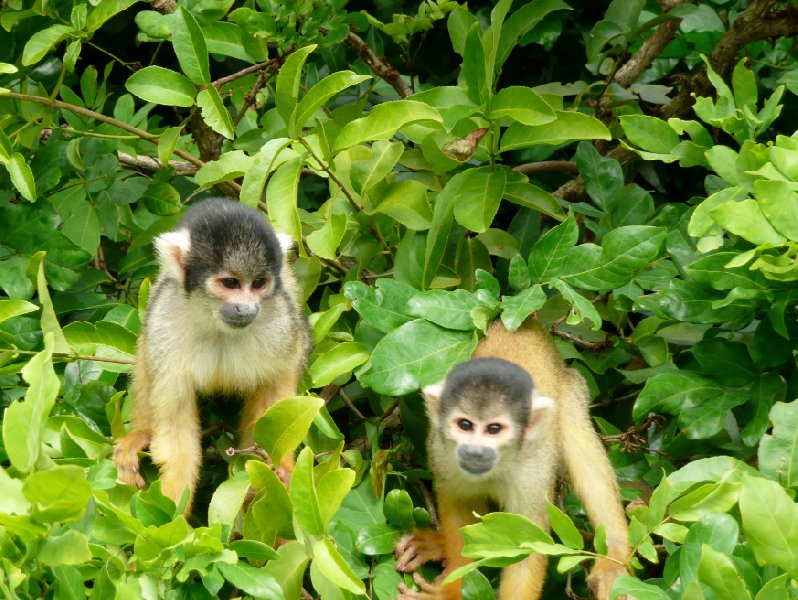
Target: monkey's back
[531, 348]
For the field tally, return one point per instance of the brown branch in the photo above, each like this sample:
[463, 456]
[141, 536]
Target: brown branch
[645, 55]
[378, 67]
[272, 65]
[145, 135]
[757, 22]
[147, 163]
[548, 166]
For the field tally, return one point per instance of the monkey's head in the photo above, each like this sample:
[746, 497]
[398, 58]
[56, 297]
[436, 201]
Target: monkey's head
[227, 258]
[484, 411]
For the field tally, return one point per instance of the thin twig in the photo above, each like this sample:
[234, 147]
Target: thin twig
[256, 450]
[548, 166]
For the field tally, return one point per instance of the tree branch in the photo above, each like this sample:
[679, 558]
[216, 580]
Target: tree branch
[379, 67]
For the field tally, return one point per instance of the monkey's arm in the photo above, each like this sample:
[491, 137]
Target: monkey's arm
[594, 481]
[127, 448]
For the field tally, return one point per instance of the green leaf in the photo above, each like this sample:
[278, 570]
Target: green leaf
[569, 126]
[778, 452]
[103, 12]
[779, 203]
[521, 104]
[22, 176]
[13, 308]
[285, 424]
[637, 589]
[366, 174]
[624, 250]
[649, 133]
[288, 79]
[330, 562]
[604, 179]
[746, 219]
[474, 68]
[214, 113]
[82, 226]
[69, 548]
[449, 309]
[376, 540]
[398, 509]
[58, 494]
[384, 121]
[332, 488]
[414, 355]
[531, 196]
[271, 511]
[228, 499]
[581, 308]
[190, 49]
[717, 572]
[564, 527]
[382, 306]
[24, 422]
[479, 193]
[307, 512]
[770, 523]
[253, 550]
[341, 360]
[318, 95]
[281, 198]
[405, 201]
[324, 241]
[522, 21]
[251, 580]
[41, 42]
[161, 86]
[515, 309]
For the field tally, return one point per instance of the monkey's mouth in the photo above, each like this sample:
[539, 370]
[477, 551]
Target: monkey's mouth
[476, 467]
[237, 322]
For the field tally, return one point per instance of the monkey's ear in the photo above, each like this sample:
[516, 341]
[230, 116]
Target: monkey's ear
[172, 248]
[432, 396]
[542, 411]
[289, 246]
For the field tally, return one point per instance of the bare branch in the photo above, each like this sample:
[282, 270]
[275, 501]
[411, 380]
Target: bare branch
[378, 66]
[548, 166]
[147, 163]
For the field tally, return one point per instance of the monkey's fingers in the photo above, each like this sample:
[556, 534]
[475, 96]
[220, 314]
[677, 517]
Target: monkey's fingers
[407, 559]
[128, 472]
[426, 591]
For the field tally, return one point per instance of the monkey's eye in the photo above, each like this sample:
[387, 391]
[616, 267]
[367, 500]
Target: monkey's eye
[493, 428]
[465, 425]
[259, 283]
[231, 283]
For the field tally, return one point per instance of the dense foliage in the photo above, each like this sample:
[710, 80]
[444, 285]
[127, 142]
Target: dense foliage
[627, 171]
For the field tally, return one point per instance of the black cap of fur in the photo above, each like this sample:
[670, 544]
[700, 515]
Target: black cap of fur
[481, 383]
[229, 236]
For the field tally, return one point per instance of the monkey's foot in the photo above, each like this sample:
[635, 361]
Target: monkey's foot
[417, 548]
[601, 578]
[426, 591]
[126, 457]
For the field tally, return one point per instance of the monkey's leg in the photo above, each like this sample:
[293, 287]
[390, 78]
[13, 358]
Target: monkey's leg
[524, 580]
[127, 448]
[176, 439]
[594, 481]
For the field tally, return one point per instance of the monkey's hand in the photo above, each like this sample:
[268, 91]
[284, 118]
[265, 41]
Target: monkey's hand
[601, 577]
[126, 457]
[427, 590]
[417, 548]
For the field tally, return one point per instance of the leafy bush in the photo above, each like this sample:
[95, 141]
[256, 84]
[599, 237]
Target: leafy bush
[618, 171]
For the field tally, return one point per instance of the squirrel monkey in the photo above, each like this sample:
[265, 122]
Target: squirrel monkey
[502, 426]
[223, 318]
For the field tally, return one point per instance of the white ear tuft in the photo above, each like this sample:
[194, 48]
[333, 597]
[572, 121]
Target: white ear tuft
[172, 248]
[433, 390]
[287, 243]
[432, 400]
[543, 403]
